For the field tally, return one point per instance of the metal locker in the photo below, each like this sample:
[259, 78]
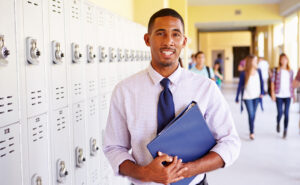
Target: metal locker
[79, 144]
[10, 154]
[75, 48]
[38, 150]
[94, 142]
[34, 60]
[61, 147]
[9, 104]
[91, 68]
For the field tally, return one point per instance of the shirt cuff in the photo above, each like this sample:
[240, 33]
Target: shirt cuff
[117, 158]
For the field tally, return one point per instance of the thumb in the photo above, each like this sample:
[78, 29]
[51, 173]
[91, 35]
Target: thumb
[164, 157]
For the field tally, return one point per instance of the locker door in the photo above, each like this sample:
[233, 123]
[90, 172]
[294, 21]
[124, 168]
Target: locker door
[10, 154]
[8, 65]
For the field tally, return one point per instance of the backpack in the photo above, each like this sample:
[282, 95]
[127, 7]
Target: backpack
[208, 72]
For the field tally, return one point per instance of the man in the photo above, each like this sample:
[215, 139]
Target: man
[201, 68]
[136, 113]
[192, 63]
[263, 65]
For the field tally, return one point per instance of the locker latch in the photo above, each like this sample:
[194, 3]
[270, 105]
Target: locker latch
[57, 54]
[112, 55]
[4, 52]
[61, 171]
[76, 55]
[103, 53]
[132, 55]
[120, 55]
[90, 54]
[32, 52]
[80, 159]
[36, 180]
[93, 147]
[137, 55]
[126, 55]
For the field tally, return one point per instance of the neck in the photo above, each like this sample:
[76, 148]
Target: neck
[165, 71]
[283, 67]
[199, 66]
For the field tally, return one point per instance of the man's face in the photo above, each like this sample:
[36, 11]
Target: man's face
[200, 59]
[166, 39]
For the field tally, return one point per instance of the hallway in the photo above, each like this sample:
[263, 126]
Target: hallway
[268, 160]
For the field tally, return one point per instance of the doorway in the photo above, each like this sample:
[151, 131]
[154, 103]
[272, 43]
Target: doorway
[239, 53]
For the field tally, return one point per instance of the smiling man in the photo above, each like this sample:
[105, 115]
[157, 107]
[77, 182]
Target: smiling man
[144, 103]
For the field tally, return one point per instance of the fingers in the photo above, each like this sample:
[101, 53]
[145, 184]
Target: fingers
[177, 179]
[163, 157]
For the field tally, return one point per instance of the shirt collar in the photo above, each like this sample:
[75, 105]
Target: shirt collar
[156, 77]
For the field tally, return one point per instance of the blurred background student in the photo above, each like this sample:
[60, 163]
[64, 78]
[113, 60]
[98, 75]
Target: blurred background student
[251, 88]
[218, 74]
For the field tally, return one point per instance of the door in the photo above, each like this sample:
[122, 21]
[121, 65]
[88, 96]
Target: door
[239, 53]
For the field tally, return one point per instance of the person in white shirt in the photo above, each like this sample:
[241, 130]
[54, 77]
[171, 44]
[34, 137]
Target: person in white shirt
[282, 91]
[251, 89]
[134, 112]
[263, 65]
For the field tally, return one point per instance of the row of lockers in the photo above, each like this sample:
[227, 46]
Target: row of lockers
[59, 62]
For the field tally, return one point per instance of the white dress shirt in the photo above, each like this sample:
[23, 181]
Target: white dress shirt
[132, 119]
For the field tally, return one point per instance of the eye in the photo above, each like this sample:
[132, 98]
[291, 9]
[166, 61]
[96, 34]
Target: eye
[159, 33]
[176, 34]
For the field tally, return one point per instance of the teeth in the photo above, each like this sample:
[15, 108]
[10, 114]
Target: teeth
[167, 52]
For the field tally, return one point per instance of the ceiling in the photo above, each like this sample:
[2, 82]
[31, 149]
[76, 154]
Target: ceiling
[230, 2]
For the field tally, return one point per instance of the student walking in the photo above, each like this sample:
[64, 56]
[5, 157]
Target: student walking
[218, 74]
[282, 91]
[251, 88]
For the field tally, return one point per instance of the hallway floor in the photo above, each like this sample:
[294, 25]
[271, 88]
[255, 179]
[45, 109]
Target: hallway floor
[269, 159]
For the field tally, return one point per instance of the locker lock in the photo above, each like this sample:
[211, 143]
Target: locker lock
[126, 55]
[36, 180]
[112, 54]
[57, 54]
[137, 55]
[132, 55]
[103, 53]
[93, 147]
[120, 55]
[90, 54]
[61, 171]
[4, 52]
[76, 55]
[80, 159]
[32, 52]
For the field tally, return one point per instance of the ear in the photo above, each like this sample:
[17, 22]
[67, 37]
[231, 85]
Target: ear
[184, 41]
[146, 39]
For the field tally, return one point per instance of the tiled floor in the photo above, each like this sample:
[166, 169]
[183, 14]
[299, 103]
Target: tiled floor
[269, 159]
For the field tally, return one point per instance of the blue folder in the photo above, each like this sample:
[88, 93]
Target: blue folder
[186, 136]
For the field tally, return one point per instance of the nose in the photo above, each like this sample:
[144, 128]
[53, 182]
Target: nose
[168, 40]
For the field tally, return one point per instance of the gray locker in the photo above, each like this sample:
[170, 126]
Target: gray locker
[9, 105]
[10, 154]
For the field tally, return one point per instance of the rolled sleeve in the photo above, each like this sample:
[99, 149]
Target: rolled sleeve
[221, 124]
[116, 144]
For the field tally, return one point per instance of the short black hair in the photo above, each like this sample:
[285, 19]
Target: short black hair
[163, 13]
[198, 53]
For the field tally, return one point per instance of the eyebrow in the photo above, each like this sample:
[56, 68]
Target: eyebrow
[177, 30]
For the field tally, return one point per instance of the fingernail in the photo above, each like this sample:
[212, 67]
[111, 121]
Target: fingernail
[159, 153]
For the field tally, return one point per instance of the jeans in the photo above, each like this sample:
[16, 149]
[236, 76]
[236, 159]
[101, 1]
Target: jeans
[251, 106]
[279, 104]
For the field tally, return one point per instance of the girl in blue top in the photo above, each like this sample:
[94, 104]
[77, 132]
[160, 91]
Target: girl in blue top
[251, 87]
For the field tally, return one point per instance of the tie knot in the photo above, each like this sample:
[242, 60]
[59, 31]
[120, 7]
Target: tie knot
[165, 82]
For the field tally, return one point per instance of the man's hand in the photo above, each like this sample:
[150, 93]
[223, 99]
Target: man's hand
[157, 172]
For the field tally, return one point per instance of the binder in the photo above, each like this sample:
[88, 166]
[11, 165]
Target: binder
[186, 136]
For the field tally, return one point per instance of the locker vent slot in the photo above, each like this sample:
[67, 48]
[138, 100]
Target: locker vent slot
[94, 176]
[77, 88]
[36, 97]
[103, 103]
[92, 108]
[100, 19]
[61, 121]
[38, 130]
[89, 15]
[103, 82]
[75, 10]
[6, 105]
[59, 93]
[79, 114]
[92, 86]
[56, 6]
[33, 2]
[7, 143]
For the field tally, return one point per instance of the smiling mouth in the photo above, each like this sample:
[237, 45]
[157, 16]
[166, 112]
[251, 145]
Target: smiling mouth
[167, 52]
